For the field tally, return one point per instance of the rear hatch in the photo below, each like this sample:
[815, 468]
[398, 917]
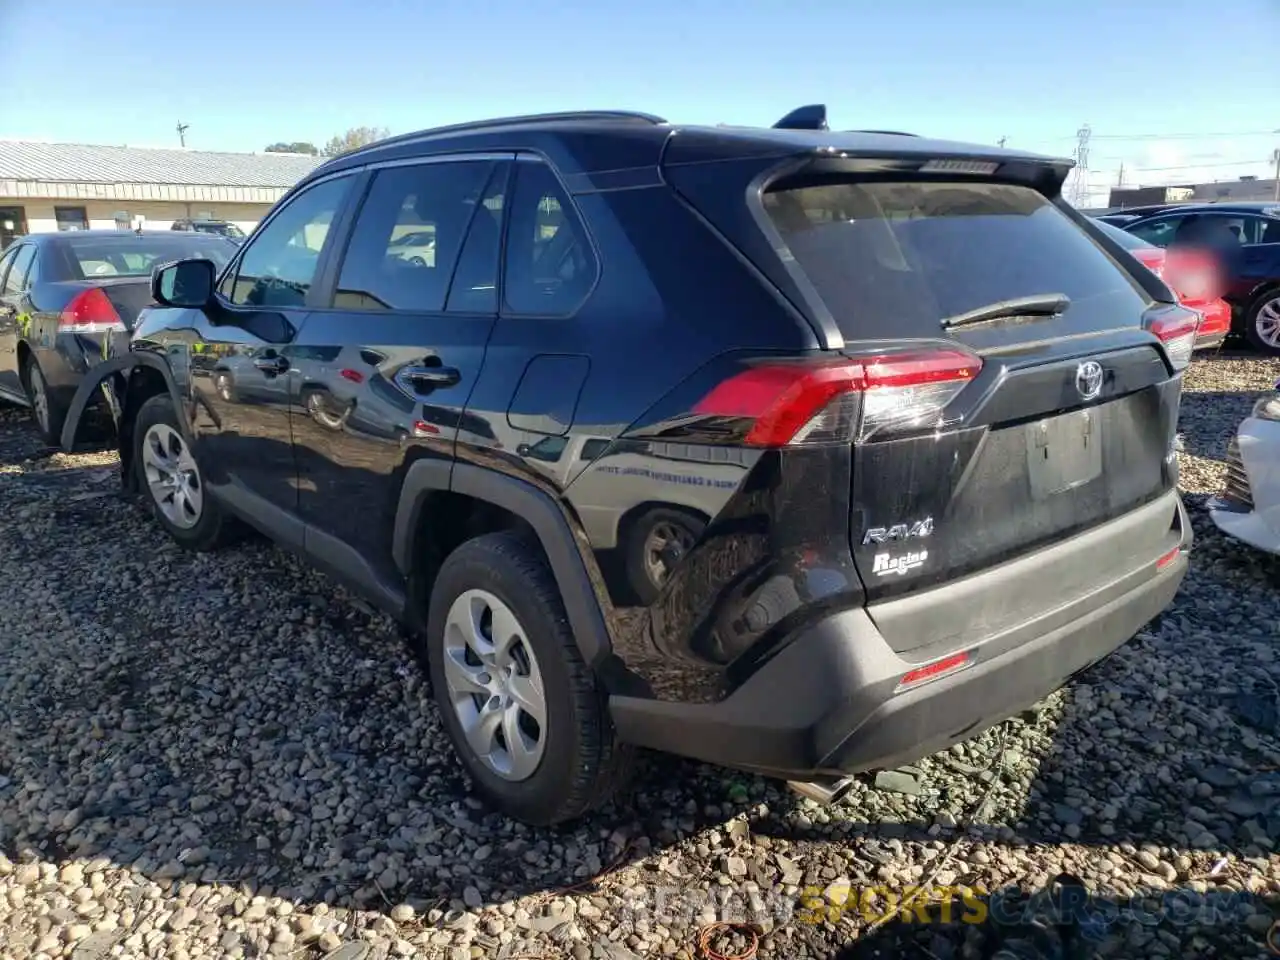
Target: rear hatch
[984, 437]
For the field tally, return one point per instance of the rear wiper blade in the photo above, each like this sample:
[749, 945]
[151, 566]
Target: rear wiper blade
[1036, 305]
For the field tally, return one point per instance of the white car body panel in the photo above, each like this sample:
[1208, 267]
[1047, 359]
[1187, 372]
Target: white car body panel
[1259, 443]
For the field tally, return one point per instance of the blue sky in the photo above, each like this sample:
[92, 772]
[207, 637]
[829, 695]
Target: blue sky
[1157, 89]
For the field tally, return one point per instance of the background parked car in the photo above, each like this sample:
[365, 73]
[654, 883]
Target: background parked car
[1249, 506]
[223, 228]
[1246, 238]
[1186, 281]
[63, 294]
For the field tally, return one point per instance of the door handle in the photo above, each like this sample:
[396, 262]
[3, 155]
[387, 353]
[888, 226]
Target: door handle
[271, 364]
[419, 379]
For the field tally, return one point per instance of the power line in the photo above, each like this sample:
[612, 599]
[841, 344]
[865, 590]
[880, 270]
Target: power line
[1168, 136]
[1205, 166]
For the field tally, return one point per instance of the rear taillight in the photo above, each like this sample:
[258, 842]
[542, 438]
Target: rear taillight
[89, 312]
[838, 401]
[1177, 329]
[1152, 258]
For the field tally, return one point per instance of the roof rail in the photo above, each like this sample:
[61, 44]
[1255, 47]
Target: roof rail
[887, 133]
[813, 116]
[477, 125]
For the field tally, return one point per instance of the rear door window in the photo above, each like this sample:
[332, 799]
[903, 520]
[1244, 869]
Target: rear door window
[892, 259]
[16, 280]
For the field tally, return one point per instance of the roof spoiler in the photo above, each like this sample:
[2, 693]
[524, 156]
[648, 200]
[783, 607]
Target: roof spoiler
[810, 117]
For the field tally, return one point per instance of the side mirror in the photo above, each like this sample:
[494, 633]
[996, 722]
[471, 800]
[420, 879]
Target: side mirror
[187, 283]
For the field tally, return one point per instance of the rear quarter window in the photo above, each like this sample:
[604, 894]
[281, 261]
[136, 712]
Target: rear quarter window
[892, 259]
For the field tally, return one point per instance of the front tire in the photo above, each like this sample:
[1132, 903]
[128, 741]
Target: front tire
[171, 481]
[524, 712]
[1262, 322]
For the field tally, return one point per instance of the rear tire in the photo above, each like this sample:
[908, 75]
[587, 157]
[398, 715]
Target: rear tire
[1262, 322]
[579, 762]
[647, 537]
[171, 481]
[48, 413]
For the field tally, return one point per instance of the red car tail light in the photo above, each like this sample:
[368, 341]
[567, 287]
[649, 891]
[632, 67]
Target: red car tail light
[838, 401]
[89, 312]
[1152, 258]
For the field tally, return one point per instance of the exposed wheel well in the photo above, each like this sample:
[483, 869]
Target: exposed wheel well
[143, 384]
[445, 522]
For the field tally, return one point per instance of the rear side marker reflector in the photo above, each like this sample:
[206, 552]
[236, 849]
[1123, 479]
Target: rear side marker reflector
[1168, 558]
[932, 670]
[841, 400]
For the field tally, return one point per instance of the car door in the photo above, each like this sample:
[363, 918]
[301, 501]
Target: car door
[393, 356]
[244, 440]
[14, 312]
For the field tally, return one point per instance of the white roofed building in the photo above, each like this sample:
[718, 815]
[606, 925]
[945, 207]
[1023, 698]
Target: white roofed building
[68, 186]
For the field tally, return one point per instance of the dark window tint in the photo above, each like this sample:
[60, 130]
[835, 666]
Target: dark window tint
[593, 448]
[1269, 230]
[71, 218]
[134, 256]
[430, 204]
[316, 354]
[16, 280]
[550, 266]
[1123, 237]
[893, 259]
[475, 281]
[1157, 233]
[279, 264]
[548, 449]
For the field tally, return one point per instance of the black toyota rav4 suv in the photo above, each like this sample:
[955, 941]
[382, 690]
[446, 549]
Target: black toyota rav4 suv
[873, 434]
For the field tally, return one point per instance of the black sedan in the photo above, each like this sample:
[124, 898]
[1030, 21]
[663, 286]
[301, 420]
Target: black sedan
[62, 295]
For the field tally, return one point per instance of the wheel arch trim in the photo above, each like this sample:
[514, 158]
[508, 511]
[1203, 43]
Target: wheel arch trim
[584, 604]
[98, 374]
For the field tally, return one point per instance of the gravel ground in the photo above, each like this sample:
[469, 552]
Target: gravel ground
[228, 756]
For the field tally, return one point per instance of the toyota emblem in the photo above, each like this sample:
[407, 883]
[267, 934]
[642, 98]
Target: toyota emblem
[1089, 379]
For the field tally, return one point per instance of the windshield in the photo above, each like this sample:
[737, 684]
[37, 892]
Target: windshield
[894, 258]
[131, 255]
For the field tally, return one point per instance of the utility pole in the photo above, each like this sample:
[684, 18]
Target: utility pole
[1082, 164]
[1276, 159]
[182, 132]
[1120, 177]
[1002, 140]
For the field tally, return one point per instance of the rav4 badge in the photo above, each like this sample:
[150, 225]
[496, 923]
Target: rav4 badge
[899, 531]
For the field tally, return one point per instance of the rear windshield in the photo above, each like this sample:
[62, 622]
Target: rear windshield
[134, 256]
[894, 258]
[1123, 237]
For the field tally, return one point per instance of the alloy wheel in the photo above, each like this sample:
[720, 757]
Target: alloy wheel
[39, 397]
[173, 479]
[495, 685]
[1267, 322]
[663, 536]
